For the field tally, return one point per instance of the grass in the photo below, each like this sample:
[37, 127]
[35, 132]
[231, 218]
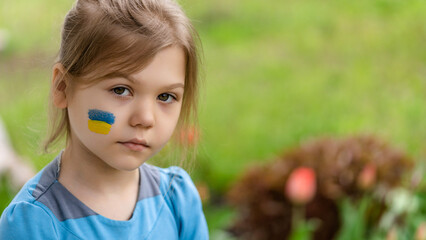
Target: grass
[276, 73]
[279, 75]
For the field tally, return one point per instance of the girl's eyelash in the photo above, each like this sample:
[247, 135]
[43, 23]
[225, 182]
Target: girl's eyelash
[119, 91]
[175, 98]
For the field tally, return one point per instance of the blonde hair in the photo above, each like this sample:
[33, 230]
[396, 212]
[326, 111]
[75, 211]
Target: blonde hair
[101, 38]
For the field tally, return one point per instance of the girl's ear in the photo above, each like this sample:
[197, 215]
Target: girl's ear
[59, 85]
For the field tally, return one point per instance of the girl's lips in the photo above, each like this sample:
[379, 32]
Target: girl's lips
[135, 145]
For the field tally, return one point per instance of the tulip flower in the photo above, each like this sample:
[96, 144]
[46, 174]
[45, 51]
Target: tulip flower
[301, 185]
[189, 135]
[417, 177]
[367, 177]
[392, 234]
[421, 232]
[203, 191]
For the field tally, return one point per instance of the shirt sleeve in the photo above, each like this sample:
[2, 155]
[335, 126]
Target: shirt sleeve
[188, 208]
[24, 220]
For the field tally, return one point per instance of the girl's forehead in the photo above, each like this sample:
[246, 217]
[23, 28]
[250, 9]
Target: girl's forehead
[168, 67]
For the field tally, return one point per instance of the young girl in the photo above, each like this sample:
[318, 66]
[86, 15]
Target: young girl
[126, 77]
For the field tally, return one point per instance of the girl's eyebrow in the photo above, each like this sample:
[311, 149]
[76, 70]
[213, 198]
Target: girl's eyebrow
[132, 80]
[175, 85]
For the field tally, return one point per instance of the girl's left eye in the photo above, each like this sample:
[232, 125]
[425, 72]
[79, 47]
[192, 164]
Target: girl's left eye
[121, 91]
[166, 97]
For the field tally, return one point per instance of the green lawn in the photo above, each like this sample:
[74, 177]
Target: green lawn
[276, 73]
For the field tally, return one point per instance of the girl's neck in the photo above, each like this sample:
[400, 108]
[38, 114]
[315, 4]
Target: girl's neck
[84, 169]
[107, 191]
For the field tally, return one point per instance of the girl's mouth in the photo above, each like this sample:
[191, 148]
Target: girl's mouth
[136, 145]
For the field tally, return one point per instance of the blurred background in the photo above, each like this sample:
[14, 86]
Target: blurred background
[278, 74]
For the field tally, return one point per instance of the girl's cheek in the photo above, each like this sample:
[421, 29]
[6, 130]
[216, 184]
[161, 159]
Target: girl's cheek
[100, 121]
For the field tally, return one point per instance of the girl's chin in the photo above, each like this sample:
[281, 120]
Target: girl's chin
[126, 163]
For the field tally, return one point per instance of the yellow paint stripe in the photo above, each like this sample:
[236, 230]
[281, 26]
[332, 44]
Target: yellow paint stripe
[99, 127]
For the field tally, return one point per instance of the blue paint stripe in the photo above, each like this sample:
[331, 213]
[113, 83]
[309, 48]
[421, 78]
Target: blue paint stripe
[103, 116]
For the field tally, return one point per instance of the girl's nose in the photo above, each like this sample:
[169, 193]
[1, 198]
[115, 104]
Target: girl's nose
[143, 115]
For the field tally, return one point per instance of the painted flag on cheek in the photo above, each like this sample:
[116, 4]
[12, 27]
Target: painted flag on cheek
[100, 121]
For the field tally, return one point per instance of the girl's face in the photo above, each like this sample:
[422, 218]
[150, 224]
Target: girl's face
[125, 120]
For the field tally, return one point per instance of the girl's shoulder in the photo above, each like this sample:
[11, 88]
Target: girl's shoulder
[26, 220]
[24, 215]
[183, 200]
[169, 180]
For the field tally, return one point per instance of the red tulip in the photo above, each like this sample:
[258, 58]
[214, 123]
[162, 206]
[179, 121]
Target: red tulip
[416, 178]
[189, 135]
[301, 185]
[421, 232]
[367, 177]
[392, 234]
[203, 191]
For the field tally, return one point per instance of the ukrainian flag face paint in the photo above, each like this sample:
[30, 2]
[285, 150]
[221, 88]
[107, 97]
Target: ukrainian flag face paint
[100, 121]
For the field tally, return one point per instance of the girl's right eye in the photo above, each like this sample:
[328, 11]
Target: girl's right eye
[121, 91]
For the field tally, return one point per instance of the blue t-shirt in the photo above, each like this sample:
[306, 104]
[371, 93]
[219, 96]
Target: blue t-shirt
[168, 208]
